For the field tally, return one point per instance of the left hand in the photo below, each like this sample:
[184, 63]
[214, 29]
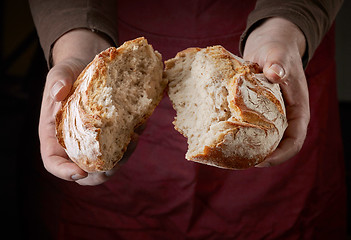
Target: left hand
[278, 45]
[70, 54]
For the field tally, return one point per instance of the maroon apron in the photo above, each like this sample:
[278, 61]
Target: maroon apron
[158, 194]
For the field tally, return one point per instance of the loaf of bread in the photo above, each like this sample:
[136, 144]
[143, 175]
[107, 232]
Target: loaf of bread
[113, 95]
[230, 114]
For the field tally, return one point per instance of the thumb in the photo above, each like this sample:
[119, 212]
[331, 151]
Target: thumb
[275, 66]
[62, 76]
[60, 89]
[60, 80]
[274, 72]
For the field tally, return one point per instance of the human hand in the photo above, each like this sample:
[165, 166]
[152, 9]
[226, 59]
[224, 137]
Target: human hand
[278, 45]
[71, 53]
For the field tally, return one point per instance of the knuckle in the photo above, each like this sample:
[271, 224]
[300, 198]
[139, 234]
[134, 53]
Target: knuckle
[53, 75]
[46, 165]
[297, 146]
[47, 149]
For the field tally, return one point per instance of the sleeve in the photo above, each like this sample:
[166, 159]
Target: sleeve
[53, 18]
[313, 17]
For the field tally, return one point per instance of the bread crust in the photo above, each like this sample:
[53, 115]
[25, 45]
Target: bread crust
[79, 121]
[258, 119]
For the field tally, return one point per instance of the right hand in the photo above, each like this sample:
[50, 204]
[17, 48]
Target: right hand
[279, 44]
[71, 53]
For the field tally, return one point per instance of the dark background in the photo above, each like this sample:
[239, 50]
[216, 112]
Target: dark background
[23, 71]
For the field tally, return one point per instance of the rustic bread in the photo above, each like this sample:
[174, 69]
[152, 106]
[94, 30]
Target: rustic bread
[113, 95]
[231, 115]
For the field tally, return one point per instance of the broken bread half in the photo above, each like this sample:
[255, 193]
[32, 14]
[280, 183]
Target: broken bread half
[112, 96]
[231, 115]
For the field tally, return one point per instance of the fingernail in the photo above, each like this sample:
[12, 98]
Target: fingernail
[263, 165]
[56, 88]
[76, 177]
[278, 70]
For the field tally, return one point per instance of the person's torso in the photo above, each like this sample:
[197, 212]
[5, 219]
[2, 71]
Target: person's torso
[158, 193]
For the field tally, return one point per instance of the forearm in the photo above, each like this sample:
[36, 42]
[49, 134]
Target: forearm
[313, 18]
[55, 18]
[279, 30]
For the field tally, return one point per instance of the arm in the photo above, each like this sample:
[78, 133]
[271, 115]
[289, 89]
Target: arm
[313, 18]
[66, 35]
[281, 37]
[54, 18]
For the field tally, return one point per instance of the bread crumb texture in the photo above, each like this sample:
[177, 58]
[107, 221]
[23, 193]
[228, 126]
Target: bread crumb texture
[113, 95]
[231, 115]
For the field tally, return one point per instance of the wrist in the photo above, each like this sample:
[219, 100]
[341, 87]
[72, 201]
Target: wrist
[278, 29]
[82, 44]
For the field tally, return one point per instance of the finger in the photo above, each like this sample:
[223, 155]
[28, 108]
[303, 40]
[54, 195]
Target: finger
[63, 168]
[60, 80]
[101, 177]
[97, 178]
[54, 157]
[274, 72]
[293, 138]
[62, 76]
[94, 179]
[286, 150]
[57, 162]
[276, 65]
[61, 89]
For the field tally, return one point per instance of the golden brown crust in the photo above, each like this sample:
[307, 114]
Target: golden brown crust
[182, 54]
[81, 114]
[214, 156]
[88, 120]
[225, 153]
[258, 119]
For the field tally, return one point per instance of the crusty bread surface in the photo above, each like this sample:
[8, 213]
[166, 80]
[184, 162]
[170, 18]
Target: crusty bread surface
[231, 115]
[113, 95]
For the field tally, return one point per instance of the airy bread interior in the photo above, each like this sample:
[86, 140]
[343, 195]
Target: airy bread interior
[125, 97]
[200, 99]
[231, 116]
[114, 94]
